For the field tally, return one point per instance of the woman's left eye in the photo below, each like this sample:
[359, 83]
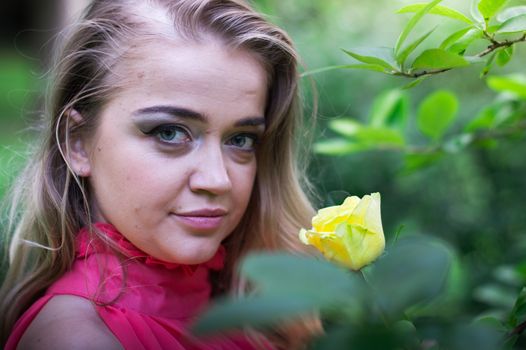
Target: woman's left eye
[245, 142]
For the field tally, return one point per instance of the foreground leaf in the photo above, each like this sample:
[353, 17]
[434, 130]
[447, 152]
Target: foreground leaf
[228, 315]
[415, 270]
[305, 278]
[287, 286]
[368, 336]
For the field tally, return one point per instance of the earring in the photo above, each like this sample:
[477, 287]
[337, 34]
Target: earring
[82, 172]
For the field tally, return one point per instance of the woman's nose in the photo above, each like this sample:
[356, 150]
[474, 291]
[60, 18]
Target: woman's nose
[210, 173]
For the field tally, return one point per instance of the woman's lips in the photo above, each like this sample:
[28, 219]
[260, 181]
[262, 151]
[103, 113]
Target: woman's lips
[202, 219]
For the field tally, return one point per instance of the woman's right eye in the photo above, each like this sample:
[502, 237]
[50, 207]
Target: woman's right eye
[170, 133]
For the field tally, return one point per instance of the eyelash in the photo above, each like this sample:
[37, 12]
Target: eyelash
[253, 137]
[169, 127]
[177, 128]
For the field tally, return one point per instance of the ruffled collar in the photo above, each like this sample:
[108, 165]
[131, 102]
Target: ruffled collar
[87, 246]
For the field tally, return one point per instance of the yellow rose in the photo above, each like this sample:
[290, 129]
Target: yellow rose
[350, 234]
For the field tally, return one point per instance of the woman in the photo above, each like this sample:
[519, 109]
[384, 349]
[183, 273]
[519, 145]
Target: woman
[168, 154]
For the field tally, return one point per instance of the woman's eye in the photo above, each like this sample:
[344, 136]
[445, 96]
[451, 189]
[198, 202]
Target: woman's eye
[171, 134]
[246, 142]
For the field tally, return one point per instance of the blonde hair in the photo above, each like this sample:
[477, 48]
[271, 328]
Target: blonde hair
[49, 203]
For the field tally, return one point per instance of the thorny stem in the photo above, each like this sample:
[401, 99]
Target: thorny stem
[491, 48]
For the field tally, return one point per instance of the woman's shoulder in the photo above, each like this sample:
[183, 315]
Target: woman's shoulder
[68, 322]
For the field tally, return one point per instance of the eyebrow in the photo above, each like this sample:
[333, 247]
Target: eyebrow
[190, 114]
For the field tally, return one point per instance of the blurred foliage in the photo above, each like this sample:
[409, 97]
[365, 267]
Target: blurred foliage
[444, 148]
[440, 133]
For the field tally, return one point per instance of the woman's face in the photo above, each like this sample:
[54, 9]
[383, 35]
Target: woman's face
[172, 162]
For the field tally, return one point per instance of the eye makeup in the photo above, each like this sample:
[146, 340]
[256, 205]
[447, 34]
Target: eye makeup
[172, 126]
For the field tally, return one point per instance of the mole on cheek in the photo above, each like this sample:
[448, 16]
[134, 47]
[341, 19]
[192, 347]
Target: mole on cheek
[140, 75]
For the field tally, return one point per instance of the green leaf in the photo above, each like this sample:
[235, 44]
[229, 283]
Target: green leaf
[364, 336]
[488, 65]
[415, 270]
[471, 336]
[306, 278]
[460, 46]
[509, 343]
[337, 147]
[488, 8]
[378, 56]
[454, 38]
[492, 116]
[475, 13]
[256, 312]
[373, 67]
[390, 108]
[509, 275]
[287, 286]
[438, 59]
[402, 56]
[491, 322]
[414, 82]
[345, 126]
[414, 162]
[495, 295]
[504, 56]
[484, 120]
[436, 113]
[518, 313]
[412, 23]
[513, 25]
[511, 12]
[437, 10]
[513, 83]
[380, 137]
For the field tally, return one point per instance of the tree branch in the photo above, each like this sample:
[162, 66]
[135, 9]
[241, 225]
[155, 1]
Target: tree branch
[491, 48]
[498, 44]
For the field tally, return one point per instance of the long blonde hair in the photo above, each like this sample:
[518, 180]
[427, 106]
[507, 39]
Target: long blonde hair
[49, 203]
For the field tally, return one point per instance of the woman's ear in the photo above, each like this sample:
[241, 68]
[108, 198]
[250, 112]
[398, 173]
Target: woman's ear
[76, 150]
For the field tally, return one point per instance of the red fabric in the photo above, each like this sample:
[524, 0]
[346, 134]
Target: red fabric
[151, 301]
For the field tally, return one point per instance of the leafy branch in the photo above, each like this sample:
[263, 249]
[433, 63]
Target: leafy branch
[491, 22]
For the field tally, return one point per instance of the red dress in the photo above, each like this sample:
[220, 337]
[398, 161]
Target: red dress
[154, 302]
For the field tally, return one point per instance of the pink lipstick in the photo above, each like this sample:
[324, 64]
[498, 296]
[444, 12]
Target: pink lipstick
[202, 219]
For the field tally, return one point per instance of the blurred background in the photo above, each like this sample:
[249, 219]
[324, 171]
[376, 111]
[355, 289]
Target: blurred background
[473, 199]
